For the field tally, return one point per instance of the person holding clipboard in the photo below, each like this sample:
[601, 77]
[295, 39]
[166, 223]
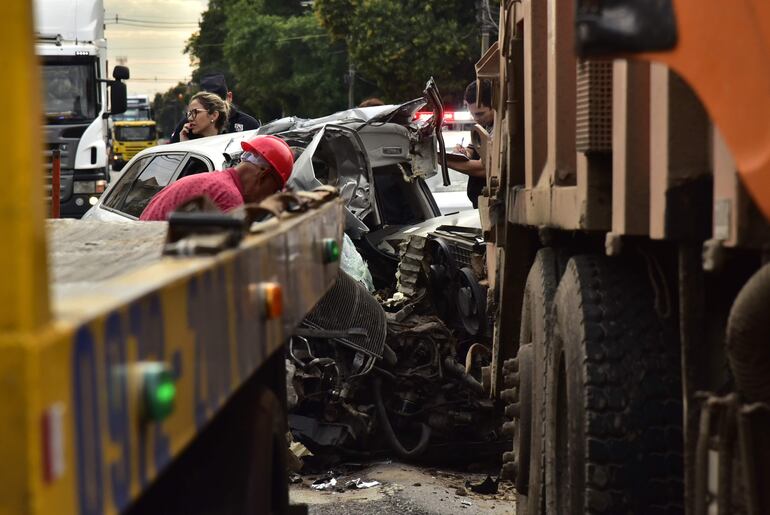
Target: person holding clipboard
[466, 159]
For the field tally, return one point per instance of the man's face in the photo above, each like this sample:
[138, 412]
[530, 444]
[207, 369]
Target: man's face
[483, 115]
[260, 182]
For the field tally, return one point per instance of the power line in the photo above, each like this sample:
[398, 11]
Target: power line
[309, 36]
[156, 79]
[204, 45]
[155, 27]
[119, 18]
[120, 49]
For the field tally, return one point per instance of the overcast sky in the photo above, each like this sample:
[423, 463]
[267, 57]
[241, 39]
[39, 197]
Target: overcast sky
[152, 38]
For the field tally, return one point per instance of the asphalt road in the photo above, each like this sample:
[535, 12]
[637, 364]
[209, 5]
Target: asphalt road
[406, 489]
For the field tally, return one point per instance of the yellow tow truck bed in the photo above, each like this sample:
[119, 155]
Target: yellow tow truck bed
[84, 255]
[142, 352]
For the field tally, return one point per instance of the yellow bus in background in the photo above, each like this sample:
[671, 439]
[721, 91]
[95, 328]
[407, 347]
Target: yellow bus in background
[129, 138]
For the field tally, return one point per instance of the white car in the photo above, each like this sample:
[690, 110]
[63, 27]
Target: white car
[155, 168]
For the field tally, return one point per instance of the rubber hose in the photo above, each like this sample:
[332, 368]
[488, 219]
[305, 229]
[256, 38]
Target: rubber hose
[748, 337]
[458, 370]
[390, 435]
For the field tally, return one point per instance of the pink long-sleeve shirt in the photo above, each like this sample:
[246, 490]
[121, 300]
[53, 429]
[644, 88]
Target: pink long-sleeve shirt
[222, 187]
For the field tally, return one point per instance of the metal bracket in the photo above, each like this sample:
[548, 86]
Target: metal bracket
[196, 234]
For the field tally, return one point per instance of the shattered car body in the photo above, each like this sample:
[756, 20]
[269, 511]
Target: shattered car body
[405, 373]
[366, 380]
[402, 370]
[378, 157]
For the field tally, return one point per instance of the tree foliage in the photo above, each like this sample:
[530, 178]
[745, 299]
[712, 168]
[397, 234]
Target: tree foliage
[169, 107]
[399, 45]
[282, 58]
[284, 64]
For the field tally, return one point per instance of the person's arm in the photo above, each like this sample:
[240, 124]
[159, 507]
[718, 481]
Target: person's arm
[472, 168]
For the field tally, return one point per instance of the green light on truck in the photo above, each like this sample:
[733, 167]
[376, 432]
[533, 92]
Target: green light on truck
[159, 393]
[331, 250]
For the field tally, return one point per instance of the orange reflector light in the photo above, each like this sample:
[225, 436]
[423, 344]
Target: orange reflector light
[273, 296]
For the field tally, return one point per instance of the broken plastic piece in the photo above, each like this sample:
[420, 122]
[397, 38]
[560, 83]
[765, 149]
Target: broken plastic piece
[360, 484]
[324, 485]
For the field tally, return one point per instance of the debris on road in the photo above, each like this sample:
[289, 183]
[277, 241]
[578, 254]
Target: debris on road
[299, 450]
[324, 484]
[358, 483]
[486, 487]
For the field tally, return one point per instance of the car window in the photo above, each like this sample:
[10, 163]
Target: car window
[115, 198]
[194, 166]
[153, 178]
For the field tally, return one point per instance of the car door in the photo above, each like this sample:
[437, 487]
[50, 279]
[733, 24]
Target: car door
[146, 177]
[193, 165]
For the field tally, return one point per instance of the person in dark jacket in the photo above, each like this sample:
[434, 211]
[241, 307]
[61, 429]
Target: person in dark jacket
[236, 122]
[480, 106]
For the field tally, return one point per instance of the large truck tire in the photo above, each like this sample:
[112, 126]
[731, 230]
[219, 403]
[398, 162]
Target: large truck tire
[526, 377]
[614, 411]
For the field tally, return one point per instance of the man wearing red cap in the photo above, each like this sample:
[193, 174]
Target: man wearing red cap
[265, 166]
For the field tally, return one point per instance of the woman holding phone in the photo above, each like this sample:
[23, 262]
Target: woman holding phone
[206, 116]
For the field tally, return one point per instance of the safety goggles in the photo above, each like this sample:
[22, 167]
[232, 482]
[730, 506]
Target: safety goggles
[255, 159]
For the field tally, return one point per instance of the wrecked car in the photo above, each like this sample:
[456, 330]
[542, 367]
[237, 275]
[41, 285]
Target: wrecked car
[402, 370]
[403, 367]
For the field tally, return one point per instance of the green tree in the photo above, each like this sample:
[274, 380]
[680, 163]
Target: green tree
[205, 47]
[283, 64]
[274, 54]
[169, 107]
[399, 45]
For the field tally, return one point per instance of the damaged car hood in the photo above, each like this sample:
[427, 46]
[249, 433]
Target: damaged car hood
[357, 141]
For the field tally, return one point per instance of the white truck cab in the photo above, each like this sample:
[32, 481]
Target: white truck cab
[72, 51]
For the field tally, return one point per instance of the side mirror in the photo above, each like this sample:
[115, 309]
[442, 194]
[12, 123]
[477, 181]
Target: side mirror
[120, 73]
[118, 100]
[606, 27]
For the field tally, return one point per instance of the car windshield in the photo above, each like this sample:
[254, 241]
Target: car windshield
[135, 133]
[70, 91]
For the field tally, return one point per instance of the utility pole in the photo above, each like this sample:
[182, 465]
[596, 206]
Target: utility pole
[351, 84]
[484, 15]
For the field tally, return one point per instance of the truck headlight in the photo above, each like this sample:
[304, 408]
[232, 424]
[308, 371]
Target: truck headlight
[85, 187]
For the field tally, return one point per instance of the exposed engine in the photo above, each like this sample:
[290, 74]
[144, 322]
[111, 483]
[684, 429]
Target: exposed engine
[391, 374]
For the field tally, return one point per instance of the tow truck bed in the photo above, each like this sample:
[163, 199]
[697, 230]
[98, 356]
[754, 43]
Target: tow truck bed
[79, 427]
[83, 254]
